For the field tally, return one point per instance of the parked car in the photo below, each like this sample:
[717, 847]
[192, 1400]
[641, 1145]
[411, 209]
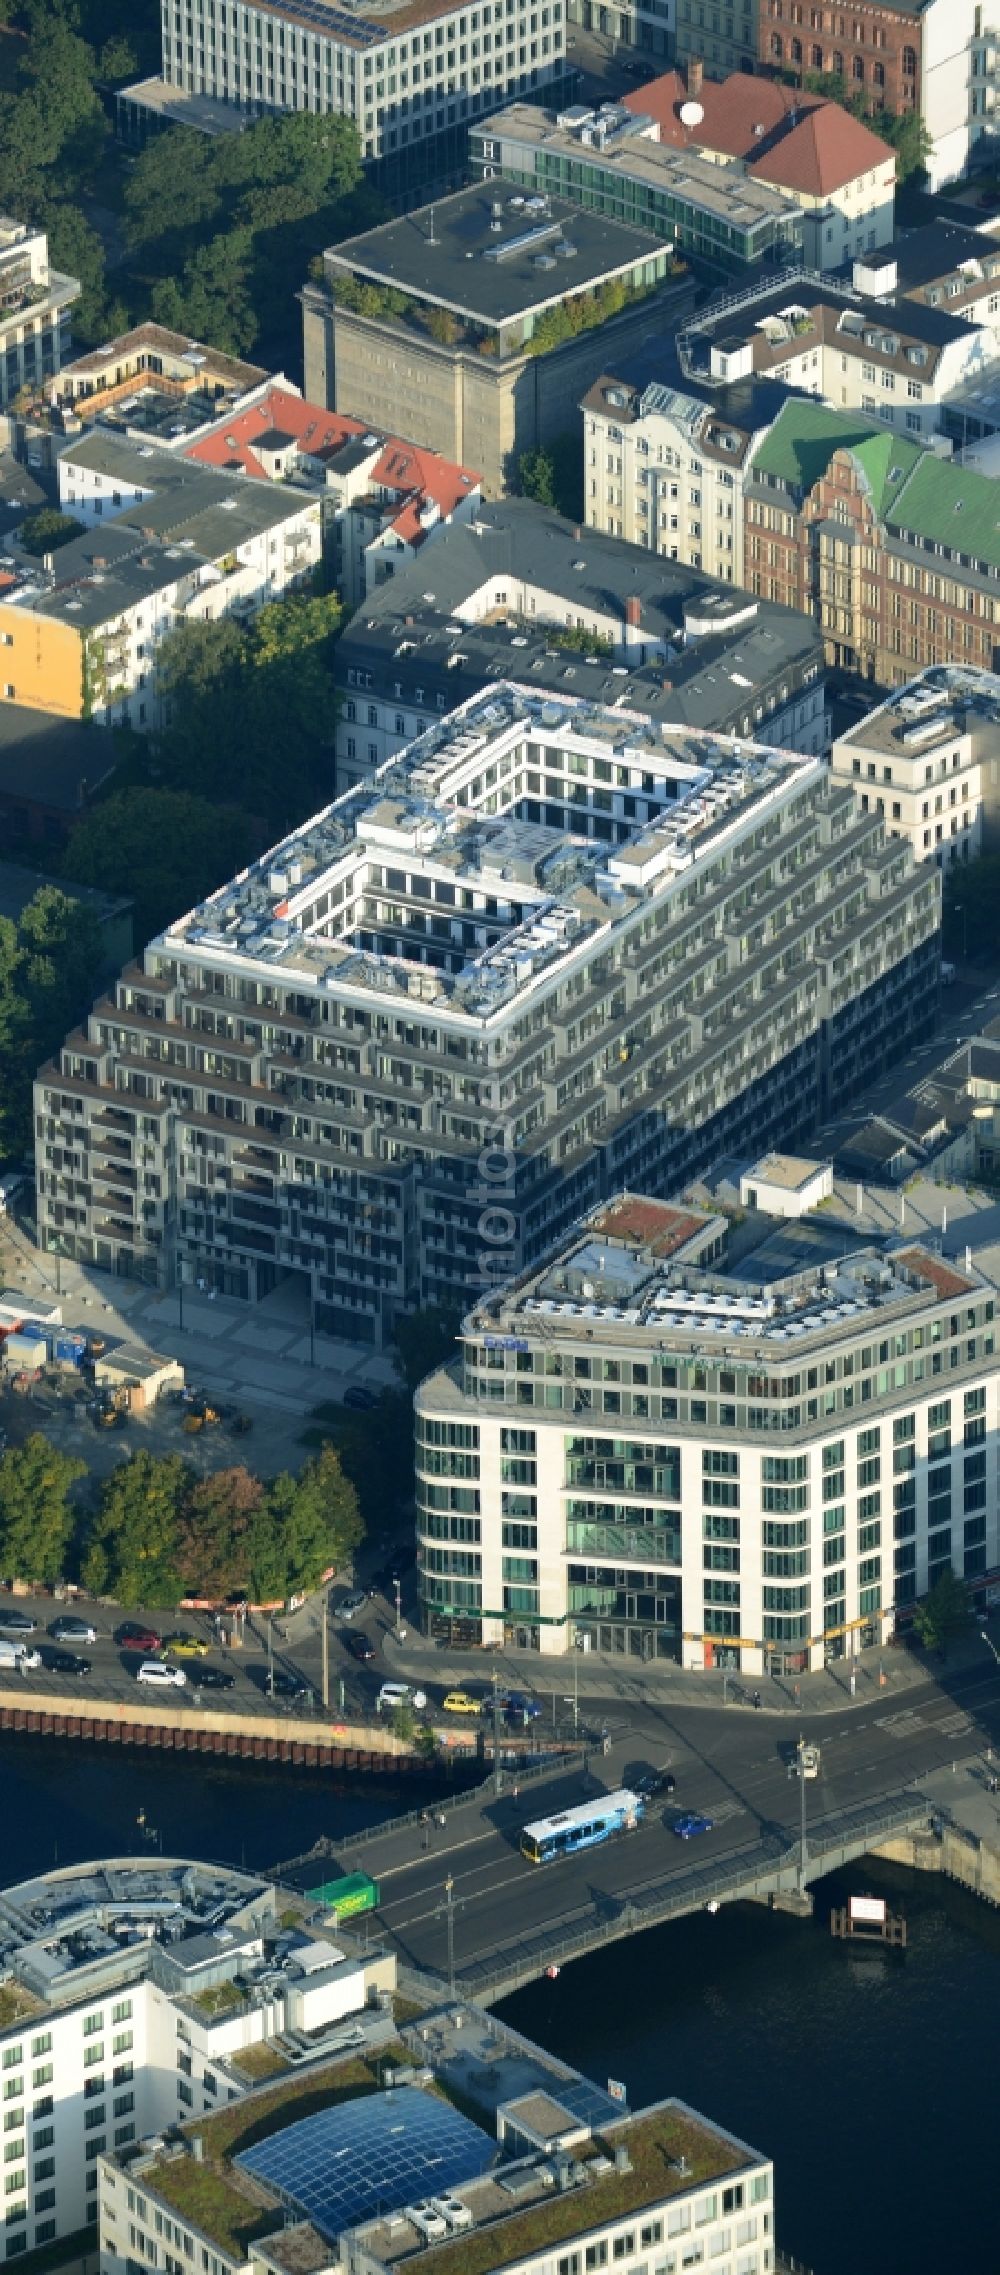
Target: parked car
[183, 1645]
[16, 1622]
[214, 1678]
[135, 1638]
[157, 1671]
[360, 1397]
[67, 1663]
[358, 1644]
[687, 1828]
[460, 1702]
[352, 1603]
[70, 1629]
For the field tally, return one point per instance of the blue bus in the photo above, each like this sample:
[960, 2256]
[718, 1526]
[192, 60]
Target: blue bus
[582, 1827]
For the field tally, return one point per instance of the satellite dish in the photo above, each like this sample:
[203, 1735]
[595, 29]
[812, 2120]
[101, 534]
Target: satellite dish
[691, 114]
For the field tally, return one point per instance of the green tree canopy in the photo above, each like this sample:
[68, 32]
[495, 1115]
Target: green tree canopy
[45, 531]
[36, 1518]
[252, 711]
[50, 959]
[165, 848]
[133, 1550]
[944, 1612]
[425, 1340]
[305, 1526]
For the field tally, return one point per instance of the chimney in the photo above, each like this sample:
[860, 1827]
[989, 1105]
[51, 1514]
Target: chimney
[695, 76]
[633, 611]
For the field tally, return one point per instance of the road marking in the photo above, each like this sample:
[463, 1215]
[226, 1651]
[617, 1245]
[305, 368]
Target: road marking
[953, 1725]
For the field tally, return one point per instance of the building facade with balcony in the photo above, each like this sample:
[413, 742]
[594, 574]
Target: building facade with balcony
[551, 949]
[747, 1453]
[36, 302]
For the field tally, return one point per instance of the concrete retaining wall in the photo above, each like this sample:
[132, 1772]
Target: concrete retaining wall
[960, 1855]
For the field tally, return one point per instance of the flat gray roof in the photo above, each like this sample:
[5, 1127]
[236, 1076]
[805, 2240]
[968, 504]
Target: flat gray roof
[452, 255]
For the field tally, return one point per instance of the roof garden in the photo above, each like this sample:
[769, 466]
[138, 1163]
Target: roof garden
[225, 2204]
[670, 2151]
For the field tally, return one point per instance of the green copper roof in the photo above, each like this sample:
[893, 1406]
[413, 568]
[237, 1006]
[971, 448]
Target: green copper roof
[806, 433]
[953, 505]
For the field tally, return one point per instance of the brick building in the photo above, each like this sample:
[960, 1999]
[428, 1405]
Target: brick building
[906, 55]
[895, 552]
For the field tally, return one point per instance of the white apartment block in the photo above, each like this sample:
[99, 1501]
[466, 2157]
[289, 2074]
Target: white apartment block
[928, 761]
[130, 1991]
[649, 1448]
[35, 305]
[403, 73]
[666, 470]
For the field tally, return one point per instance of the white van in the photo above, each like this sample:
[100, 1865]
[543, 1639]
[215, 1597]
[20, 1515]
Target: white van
[19, 1655]
[392, 1695]
[157, 1671]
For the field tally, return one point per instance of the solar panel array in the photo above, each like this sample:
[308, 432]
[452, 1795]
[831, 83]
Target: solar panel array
[370, 2156]
[589, 2103]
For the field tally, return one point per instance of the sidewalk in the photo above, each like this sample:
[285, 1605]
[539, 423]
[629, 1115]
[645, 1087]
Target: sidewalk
[881, 1677]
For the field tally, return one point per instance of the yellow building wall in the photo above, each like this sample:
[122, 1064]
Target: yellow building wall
[41, 663]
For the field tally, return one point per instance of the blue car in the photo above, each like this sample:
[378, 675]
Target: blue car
[687, 1828]
[520, 1709]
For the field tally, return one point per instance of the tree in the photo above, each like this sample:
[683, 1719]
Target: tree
[45, 531]
[944, 1612]
[133, 1549]
[165, 848]
[305, 1526]
[50, 960]
[907, 136]
[36, 1519]
[252, 711]
[376, 1452]
[213, 1533]
[402, 1721]
[536, 477]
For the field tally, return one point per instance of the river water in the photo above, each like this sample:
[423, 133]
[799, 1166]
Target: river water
[869, 2078]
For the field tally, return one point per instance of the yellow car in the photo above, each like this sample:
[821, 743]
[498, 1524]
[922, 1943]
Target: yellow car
[185, 1646]
[460, 1702]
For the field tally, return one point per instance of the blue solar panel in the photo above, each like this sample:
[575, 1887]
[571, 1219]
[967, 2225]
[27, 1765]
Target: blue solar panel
[369, 2156]
[590, 2103]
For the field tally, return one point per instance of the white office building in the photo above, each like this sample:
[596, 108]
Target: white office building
[130, 1994]
[679, 1440]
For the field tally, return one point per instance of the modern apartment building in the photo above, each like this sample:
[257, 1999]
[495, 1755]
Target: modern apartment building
[895, 551]
[614, 162]
[35, 305]
[841, 176]
[672, 1441]
[383, 501]
[520, 590]
[409, 78]
[928, 761]
[398, 2158]
[133, 1994]
[165, 543]
[552, 949]
[475, 324]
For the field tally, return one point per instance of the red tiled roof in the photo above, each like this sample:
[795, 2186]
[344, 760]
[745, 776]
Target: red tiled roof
[420, 477]
[798, 141]
[660, 1227]
[945, 1282]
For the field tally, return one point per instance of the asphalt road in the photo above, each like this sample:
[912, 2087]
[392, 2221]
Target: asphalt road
[731, 1767]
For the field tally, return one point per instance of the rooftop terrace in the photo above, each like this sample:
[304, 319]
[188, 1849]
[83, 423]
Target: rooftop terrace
[448, 813]
[931, 709]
